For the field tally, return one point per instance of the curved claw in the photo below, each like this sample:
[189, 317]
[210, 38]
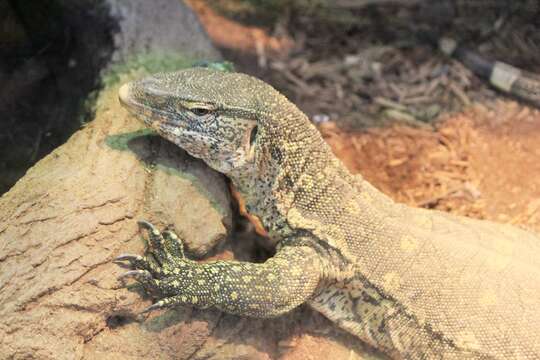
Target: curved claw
[146, 225]
[128, 257]
[170, 234]
[153, 307]
[135, 273]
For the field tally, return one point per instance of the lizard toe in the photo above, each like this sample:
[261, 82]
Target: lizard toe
[139, 262]
[173, 244]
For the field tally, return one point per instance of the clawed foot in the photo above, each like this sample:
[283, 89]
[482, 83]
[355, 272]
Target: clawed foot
[158, 272]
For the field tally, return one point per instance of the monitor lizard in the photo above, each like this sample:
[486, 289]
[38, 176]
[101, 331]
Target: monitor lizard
[414, 283]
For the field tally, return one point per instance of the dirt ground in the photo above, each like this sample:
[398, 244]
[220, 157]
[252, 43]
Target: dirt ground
[481, 158]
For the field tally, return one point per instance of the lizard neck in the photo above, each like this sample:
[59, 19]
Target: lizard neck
[296, 184]
[290, 151]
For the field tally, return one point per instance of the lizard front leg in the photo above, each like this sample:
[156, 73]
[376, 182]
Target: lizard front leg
[260, 290]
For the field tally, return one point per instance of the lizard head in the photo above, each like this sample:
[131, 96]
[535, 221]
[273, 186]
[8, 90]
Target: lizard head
[213, 115]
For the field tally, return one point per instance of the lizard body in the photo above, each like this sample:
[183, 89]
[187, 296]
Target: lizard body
[414, 283]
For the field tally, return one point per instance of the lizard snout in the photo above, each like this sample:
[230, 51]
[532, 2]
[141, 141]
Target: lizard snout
[124, 94]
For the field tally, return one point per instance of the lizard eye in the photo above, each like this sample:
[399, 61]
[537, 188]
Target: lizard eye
[200, 111]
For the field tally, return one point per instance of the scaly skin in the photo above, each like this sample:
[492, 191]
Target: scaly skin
[414, 283]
